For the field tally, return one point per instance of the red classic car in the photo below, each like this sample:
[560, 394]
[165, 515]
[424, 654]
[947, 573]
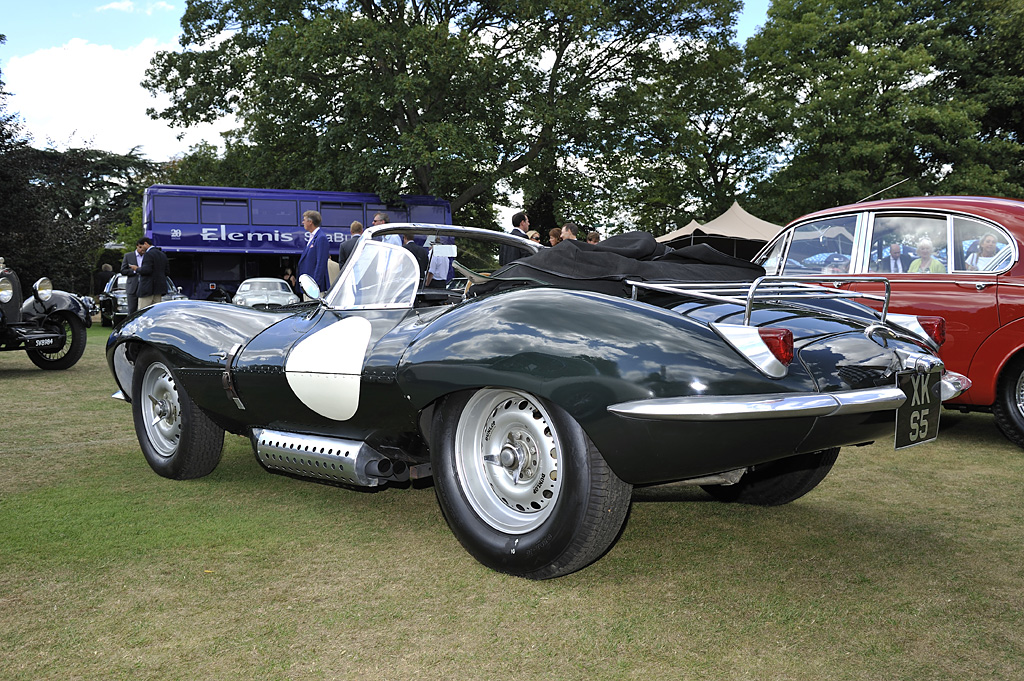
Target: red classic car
[957, 257]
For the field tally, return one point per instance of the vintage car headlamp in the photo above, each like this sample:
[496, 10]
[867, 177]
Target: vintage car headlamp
[6, 290]
[43, 289]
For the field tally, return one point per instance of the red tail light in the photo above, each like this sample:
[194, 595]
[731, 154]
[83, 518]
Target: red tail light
[780, 342]
[935, 327]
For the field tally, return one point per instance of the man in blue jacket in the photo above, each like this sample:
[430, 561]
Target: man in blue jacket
[313, 260]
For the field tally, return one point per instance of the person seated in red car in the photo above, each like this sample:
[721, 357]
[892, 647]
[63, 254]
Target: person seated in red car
[925, 262]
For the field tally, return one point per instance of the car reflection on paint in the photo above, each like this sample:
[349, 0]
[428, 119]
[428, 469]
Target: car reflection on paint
[534, 398]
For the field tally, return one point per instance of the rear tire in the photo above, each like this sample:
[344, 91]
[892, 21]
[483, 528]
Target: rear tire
[778, 482]
[521, 485]
[1009, 405]
[74, 343]
[178, 440]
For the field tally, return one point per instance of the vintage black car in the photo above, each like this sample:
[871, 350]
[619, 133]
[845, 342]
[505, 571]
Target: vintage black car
[113, 300]
[49, 325]
[538, 396]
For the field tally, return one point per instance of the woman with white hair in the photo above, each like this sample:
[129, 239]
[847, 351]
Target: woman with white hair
[925, 262]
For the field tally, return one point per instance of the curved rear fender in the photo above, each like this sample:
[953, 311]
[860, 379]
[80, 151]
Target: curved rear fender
[989, 361]
[33, 310]
[583, 351]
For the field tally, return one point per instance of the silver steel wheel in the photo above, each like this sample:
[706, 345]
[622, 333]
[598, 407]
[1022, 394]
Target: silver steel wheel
[506, 455]
[161, 411]
[1019, 394]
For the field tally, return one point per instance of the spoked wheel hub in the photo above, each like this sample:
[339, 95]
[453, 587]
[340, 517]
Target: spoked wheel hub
[161, 411]
[507, 455]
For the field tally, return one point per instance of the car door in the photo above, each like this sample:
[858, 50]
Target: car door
[966, 298]
[333, 368]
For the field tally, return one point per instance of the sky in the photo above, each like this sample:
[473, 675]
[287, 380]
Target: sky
[73, 69]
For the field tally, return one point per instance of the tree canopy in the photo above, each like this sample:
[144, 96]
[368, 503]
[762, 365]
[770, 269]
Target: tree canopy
[862, 96]
[449, 99]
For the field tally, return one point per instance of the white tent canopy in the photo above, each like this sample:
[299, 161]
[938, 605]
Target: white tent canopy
[681, 232]
[735, 223]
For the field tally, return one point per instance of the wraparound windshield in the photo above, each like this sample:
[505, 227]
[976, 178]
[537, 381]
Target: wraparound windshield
[379, 275]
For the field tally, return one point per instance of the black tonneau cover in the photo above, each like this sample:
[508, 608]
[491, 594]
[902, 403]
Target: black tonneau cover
[604, 267]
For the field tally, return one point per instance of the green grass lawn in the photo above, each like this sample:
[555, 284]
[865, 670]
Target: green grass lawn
[901, 565]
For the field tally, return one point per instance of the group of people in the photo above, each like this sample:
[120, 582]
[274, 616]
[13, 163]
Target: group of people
[896, 261]
[315, 255]
[521, 228]
[146, 269]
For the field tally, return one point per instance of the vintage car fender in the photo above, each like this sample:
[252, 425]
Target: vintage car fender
[998, 350]
[34, 310]
[207, 331]
[586, 353]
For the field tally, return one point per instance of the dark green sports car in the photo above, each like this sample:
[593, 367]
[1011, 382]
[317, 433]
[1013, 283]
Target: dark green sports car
[538, 394]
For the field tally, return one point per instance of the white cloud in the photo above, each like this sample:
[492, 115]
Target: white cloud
[123, 6]
[129, 7]
[82, 94]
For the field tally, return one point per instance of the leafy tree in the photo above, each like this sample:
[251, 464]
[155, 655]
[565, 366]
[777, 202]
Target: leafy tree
[696, 136]
[446, 99]
[865, 95]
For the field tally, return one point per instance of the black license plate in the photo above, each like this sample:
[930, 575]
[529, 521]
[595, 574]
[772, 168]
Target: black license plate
[46, 343]
[917, 420]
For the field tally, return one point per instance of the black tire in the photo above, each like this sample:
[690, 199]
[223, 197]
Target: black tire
[550, 507]
[67, 354]
[778, 482]
[178, 440]
[1009, 405]
[106, 321]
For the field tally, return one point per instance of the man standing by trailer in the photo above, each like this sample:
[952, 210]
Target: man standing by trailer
[313, 260]
[152, 276]
[129, 267]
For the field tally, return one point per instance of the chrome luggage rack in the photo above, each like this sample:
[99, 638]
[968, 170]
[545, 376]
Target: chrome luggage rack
[766, 288]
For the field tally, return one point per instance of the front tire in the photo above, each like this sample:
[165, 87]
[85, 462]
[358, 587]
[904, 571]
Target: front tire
[178, 440]
[778, 482]
[70, 352]
[521, 485]
[1009, 405]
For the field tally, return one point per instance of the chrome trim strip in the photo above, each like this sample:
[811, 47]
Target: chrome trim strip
[759, 407]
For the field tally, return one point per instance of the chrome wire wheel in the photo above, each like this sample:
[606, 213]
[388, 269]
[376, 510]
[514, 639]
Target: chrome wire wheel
[507, 455]
[1019, 394]
[161, 411]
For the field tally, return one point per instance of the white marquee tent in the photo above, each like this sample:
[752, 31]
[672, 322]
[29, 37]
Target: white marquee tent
[735, 231]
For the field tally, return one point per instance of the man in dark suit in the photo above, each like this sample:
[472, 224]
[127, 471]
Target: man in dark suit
[421, 254]
[129, 267]
[895, 261]
[506, 253]
[317, 251]
[349, 245]
[152, 276]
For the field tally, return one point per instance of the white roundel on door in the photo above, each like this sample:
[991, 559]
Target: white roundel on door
[323, 369]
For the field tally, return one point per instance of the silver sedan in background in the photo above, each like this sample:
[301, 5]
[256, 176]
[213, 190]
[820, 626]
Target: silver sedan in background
[264, 293]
